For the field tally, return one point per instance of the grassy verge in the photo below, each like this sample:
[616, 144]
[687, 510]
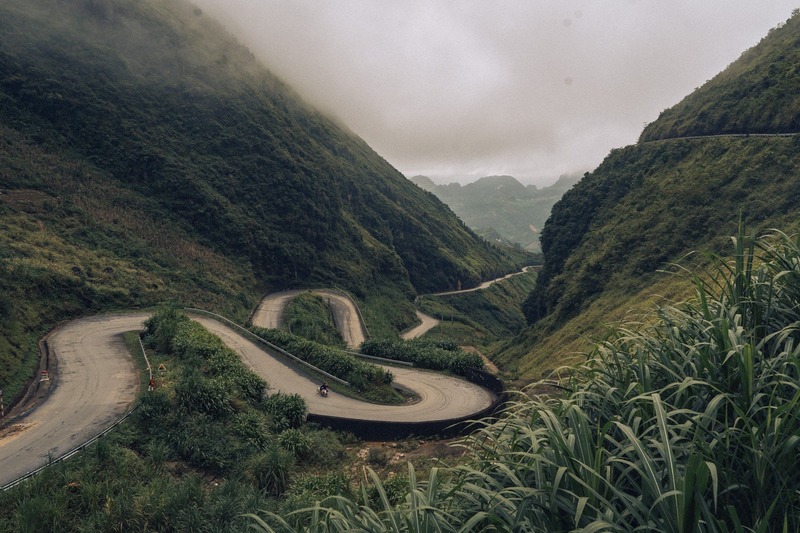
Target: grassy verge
[690, 423]
[308, 316]
[368, 382]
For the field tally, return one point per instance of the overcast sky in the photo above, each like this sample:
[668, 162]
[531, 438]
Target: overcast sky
[457, 90]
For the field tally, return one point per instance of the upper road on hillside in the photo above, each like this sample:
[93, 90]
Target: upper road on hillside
[720, 135]
[427, 322]
[484, 285]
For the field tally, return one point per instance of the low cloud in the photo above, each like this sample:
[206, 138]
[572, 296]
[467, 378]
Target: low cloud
[466, 89]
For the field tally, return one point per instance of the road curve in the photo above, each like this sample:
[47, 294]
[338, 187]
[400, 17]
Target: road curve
[269, 313]
[484, 285]
[440, 397]
[426, 323]
[94, 382]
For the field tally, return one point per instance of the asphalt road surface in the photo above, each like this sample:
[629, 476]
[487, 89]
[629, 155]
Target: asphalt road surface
[94, 384]
[485, 284]
[426, 323]
[441, 397]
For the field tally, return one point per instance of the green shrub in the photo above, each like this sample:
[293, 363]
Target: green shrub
[358, 373]
[192, 340]
[308, 315]
[154, 408]
[157, 452]
[378, 456]
[251, 386]
[295, 441]
[327, 448]
[424, 353]
[286, 410]
[161, 328]
[271, 470]
[308, 489]
[253, 427]
[393, 490]
[196, 393]
[205, 443]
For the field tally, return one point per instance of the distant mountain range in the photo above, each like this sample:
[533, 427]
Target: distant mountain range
[500, 208]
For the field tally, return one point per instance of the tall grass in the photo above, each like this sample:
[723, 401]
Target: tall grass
[691, 424]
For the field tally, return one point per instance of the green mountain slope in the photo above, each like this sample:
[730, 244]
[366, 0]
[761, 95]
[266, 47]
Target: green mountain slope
[145, 156]
[756, 94]
[650, 204]
[501, 206]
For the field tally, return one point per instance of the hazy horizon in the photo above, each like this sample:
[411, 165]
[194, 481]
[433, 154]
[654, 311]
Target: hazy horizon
[459, 90]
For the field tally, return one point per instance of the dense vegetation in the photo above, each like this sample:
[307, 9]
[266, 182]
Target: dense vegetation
[145, 156]
[649, 204]
[691, 424]
[213, 384]
[362, 376]
[500, 208]
[425, 353]
[308, 316]
[646, 205]
[203, 449]
[180, 113]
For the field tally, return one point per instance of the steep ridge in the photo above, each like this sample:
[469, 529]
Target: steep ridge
[650, 204]
[146, 156]
[164, 105]
[755, 94]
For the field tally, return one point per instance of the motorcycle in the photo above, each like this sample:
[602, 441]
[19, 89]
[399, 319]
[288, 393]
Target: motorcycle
[322, 391]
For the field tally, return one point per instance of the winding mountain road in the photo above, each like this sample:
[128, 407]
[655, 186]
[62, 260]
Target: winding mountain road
[426, 323]
[484, 285]
[95, 382]
[441, 397]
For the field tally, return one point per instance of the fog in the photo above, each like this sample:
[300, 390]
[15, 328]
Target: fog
[456, 90]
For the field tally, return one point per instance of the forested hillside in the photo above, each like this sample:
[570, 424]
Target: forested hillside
[146, 156]
[648, 205]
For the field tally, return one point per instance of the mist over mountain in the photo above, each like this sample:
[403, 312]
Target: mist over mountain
[145, 156]
[500, 208]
